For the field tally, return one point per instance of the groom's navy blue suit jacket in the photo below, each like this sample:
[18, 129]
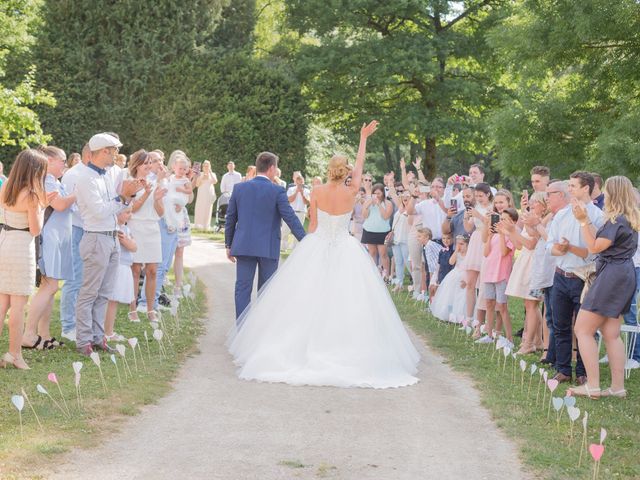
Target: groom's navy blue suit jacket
[252, 223]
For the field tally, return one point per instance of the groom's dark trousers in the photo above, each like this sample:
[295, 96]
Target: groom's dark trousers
[245, 273]
[252, 233]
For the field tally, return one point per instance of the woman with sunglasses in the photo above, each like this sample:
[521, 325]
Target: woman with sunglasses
[55, 261]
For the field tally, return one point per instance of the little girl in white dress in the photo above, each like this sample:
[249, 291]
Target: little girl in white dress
[450, 299]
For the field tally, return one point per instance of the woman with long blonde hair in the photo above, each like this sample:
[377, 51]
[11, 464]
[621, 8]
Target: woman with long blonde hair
[23, 200]
[612, 291]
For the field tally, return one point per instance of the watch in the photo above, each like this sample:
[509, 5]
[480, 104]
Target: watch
[585, 223]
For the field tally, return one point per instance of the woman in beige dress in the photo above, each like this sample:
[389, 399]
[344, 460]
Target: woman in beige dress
[23, 199]
[206, 197]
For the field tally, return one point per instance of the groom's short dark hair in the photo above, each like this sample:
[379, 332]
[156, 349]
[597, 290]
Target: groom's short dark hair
[265, 160]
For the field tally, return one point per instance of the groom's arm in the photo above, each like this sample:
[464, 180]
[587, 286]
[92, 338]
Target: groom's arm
[231, 218]
[289, 216]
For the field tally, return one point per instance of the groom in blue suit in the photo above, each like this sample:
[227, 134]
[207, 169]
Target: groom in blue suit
[252, 228]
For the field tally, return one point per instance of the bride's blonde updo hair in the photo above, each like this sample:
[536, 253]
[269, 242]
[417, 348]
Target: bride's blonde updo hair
[339, 168]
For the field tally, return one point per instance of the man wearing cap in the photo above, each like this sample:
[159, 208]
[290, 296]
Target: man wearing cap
[98, 203]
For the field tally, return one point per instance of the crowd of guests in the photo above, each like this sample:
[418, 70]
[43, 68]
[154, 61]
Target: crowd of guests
[569, 251]
[109, 228]
[103, 226]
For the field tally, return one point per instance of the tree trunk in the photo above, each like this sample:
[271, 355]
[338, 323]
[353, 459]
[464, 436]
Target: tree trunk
[387, 156]
[430, 166]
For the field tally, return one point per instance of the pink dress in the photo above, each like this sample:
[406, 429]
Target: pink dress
[475, 251]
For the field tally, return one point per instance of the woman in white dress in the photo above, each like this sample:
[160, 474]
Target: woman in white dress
[338, 327]
[147, 207]
[206, 197]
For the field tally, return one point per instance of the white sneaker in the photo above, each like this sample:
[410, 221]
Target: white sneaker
[632, 364]
[605, 359]
[485, 339]
[70, 335]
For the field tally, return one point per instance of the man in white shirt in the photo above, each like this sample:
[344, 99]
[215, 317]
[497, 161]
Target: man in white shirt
[70, 288]
[567, 245]
[430, 210]
[98, 203]
[230, 178]
[299, 198]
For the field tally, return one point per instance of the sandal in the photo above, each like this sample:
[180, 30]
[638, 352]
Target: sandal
[585, 391]
[153, 317]
[8, 359]
[610, 393]
[51, 344]
[133, 317]
[35, 345]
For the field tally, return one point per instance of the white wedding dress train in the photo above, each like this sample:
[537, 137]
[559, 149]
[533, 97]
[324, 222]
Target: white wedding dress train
[325, 318]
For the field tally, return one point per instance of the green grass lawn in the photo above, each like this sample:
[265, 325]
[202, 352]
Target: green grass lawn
[545, 446]
[101, 412]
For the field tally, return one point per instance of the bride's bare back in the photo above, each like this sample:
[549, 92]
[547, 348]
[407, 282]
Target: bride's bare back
[334, 197]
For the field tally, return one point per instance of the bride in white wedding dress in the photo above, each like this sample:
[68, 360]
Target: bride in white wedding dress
[325, 317]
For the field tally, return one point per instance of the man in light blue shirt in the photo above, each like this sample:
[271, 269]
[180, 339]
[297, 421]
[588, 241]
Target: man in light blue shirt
[567, 245]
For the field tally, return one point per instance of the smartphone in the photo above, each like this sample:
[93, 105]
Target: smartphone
[454, 204]
[197, 167]
[525, 198]
[495, 218]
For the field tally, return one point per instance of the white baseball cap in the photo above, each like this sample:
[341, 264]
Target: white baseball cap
[103, 140]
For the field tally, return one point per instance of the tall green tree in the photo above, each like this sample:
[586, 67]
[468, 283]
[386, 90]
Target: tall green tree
[572, 68]
[420, 66]
[19, 124]
[166, 74]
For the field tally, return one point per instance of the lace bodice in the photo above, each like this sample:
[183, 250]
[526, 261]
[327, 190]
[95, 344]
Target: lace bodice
[333, 227]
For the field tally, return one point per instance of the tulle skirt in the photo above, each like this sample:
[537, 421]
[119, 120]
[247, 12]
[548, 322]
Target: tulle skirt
[325, 318]
[450, 297]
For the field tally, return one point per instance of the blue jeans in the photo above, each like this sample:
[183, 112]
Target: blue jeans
[565, 299]
[401, 257]
[551, 349]
[630, 318]
[70, 288]
[169, 245]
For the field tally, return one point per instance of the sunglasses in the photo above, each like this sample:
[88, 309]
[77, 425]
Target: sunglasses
[367, 180]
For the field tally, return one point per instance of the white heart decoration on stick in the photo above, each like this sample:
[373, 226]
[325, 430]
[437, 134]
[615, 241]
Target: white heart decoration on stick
[570, 401]
[18, 402]
[133, 341]
[574, 413]
[533, 367]
[603, 435]
[41, 389]
[121, 349]
[157, 334]
[558, 403]
[523, 365]
[77, 366]
[95, 358]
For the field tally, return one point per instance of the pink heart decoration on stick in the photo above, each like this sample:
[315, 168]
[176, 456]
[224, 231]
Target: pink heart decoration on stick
[552, 384]
[596, 450]
[52, 377]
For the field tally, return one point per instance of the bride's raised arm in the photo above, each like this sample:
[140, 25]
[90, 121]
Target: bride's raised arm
[365, 132]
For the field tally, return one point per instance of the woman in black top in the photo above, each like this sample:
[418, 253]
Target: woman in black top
[613, 289]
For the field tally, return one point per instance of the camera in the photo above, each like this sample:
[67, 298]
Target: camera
[495, 218]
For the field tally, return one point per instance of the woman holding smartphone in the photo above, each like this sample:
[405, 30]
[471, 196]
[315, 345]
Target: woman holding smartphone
[377, 214]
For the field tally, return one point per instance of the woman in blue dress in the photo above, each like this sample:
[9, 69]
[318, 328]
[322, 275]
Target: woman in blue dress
[55, 262]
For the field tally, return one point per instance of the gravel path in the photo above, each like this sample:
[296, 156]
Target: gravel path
[214, 426]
